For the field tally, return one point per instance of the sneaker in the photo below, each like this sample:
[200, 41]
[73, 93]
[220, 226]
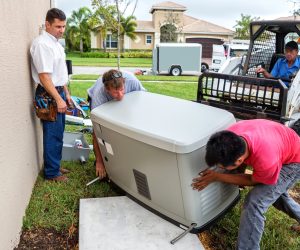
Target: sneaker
[60, 178]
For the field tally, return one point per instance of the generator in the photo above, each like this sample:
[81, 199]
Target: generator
[154, 145]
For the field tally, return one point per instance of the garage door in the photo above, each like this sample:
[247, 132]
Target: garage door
[206, 45]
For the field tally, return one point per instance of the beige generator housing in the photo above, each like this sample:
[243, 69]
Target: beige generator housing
[154, 145]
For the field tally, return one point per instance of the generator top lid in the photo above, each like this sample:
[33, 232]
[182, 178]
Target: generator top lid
[165, 122]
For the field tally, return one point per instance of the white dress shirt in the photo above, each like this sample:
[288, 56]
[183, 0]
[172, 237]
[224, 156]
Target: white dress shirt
[48, 56]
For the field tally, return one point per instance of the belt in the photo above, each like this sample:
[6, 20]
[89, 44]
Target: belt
[60, 88]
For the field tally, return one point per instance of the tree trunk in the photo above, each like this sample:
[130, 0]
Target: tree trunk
[104, 45]
[81, 45]
[123, 43]
[119, 46]
[118, 35]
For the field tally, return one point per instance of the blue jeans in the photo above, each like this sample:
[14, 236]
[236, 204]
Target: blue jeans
[259, 199]
[53, 133]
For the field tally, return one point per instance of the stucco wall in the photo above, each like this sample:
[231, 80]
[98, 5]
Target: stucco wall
[140, 42]
[20, 133]
[161, 16]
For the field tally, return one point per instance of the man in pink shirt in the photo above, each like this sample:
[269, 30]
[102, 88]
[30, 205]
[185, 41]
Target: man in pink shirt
[273, 152]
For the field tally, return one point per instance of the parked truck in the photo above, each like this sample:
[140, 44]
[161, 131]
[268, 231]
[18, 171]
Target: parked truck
[177, 59]
[247, 95]
[224, 52]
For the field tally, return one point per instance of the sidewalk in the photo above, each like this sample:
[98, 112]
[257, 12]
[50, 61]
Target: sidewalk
[78, 70]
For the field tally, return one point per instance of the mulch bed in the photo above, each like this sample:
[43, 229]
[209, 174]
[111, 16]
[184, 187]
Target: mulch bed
[48, 239]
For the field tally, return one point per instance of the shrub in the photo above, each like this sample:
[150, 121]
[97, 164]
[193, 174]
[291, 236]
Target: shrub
[95, 55]
[114, 54]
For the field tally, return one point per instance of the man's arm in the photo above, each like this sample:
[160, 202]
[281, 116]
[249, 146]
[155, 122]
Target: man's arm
[100, 168]
[49, 86]
[210, 176]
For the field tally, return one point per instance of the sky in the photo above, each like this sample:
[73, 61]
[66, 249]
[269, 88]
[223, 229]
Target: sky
[220, 12]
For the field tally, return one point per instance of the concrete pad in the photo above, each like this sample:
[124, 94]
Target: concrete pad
[118, 223]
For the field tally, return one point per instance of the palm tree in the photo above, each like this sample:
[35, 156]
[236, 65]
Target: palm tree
[78, 28]
[242, 27]
[104, 19]
[128, 26]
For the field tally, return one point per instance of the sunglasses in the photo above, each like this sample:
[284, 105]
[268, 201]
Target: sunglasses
[115, 75]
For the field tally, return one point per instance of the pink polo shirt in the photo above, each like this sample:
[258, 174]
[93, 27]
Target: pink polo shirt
[270, 145]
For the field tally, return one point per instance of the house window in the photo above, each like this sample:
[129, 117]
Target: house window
[111, 41]
[148, 39]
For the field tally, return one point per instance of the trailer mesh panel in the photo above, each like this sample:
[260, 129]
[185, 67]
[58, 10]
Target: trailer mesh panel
[245, 97]
[261, 53]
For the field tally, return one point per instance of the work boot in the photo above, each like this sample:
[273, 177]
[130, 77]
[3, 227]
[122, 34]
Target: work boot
[60, 178]
[296, 228]
[64, 170]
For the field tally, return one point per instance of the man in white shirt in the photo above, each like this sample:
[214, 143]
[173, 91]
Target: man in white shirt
[49, 71]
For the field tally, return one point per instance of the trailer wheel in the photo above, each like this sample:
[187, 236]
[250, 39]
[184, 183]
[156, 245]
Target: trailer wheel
[175, 71]
[204, 67]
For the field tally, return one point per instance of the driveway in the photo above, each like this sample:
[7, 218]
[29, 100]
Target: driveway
[100, 70]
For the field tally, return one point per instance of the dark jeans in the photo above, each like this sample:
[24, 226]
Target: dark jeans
[259, 199]
[53, 133]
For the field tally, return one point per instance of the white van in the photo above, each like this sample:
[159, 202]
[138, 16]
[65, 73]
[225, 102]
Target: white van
[224, 52]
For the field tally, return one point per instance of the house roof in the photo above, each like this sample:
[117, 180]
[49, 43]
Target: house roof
[194, 25]
[167, 6]
[144, 26]
[190, 25]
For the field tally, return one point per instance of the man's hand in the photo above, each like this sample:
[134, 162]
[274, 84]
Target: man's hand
[264, 72]
[100, 170]
[61, 106]
[260, 70]
[205, 178]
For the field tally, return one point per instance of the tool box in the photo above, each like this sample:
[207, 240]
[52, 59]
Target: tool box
[75, 147]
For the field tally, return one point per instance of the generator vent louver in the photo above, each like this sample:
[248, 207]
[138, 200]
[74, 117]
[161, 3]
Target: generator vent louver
[142, 184]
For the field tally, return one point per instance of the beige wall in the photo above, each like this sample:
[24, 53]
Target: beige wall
[20, 133]
[140, 42]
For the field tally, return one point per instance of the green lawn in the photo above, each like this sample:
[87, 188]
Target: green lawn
[182, 90]
[277, 233]
[110, 62]
[56, 205]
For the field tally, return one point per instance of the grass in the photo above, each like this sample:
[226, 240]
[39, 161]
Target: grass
[277, 233]
[110, 62]
[56, 205]
[181, 90]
